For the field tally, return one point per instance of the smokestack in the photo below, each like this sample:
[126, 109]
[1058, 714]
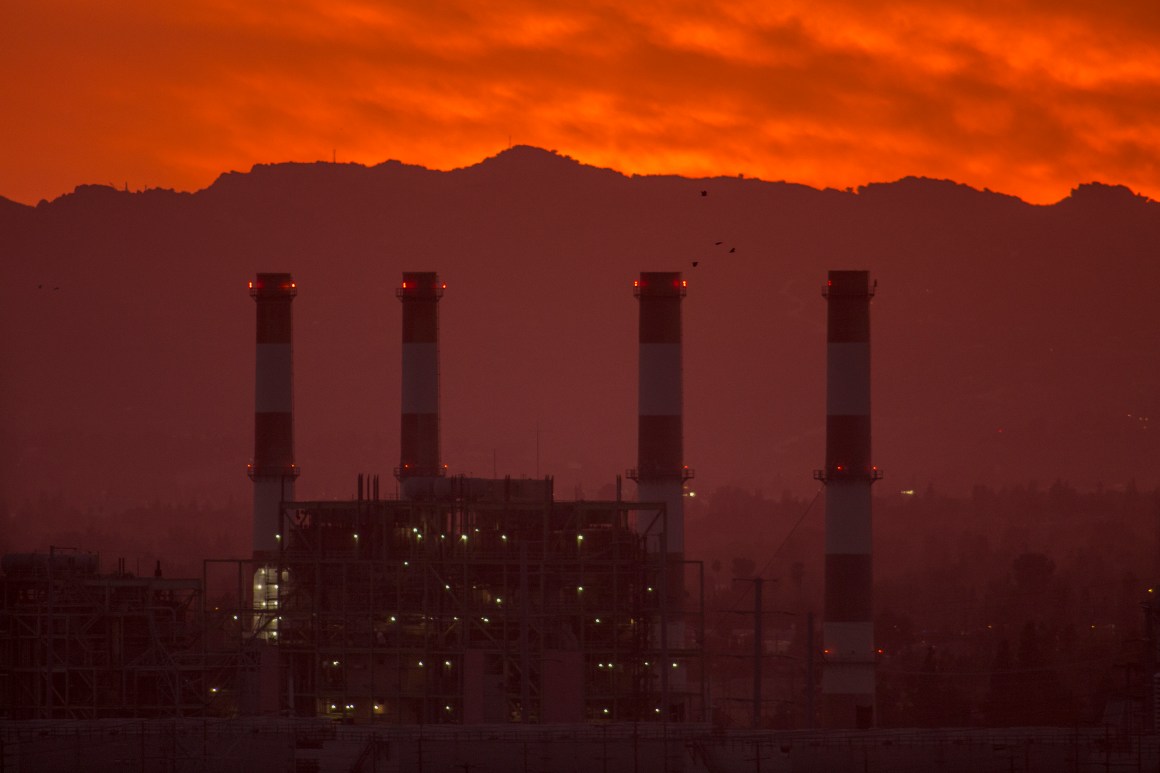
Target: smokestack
[419, 436]
[273, 470]
[848, 628]
[660, 470]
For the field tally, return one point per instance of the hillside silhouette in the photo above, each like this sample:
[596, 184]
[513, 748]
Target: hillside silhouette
[1011, 342]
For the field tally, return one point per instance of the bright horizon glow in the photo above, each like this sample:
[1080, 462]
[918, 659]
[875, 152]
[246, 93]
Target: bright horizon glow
[1027, 98]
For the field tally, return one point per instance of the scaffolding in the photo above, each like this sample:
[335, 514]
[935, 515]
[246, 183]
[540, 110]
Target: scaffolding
[75, 644]
[485, 602]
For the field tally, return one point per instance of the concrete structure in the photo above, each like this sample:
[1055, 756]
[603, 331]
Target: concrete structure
[660, 472]
[848, 689]
[273, 469]
[419, 426]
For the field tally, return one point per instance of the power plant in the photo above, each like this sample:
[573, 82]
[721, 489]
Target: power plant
[468, 623]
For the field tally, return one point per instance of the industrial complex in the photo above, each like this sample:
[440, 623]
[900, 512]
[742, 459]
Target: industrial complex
[463, 601]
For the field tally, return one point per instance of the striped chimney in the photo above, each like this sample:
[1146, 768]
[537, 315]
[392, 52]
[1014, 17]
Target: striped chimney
[419, 436]
[660, 472]
[272, 470]
[848, 628]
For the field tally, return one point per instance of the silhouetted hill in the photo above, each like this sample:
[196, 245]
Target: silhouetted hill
[1011, 342]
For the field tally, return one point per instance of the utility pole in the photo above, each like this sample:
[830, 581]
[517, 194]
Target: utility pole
[758, 639]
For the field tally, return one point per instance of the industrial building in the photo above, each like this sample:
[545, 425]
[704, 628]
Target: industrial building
[463, 601]
[469, 600]
[78, 644]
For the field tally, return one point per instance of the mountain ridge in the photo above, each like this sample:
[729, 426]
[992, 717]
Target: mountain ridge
[1007, 336]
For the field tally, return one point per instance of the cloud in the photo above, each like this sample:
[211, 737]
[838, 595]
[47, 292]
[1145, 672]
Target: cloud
[1026, 97]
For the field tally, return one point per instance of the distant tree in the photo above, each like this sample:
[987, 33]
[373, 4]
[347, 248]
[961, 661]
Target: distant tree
[744, 568]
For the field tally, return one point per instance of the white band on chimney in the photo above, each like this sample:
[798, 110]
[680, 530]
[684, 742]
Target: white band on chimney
[268, 496]
[420, 377]
[849, 641]
[849, 393]
[660, 379]
[272, 393]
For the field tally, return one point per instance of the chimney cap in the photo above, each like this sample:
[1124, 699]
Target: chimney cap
[273, 285]
[421, 285]
[660, 284]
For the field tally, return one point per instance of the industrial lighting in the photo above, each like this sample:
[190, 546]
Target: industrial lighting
[447, 664]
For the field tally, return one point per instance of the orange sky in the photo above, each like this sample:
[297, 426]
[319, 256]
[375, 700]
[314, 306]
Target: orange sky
[1025, 97]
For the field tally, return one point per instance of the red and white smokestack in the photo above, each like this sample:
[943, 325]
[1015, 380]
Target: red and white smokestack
[848, 628]
[660, 470]
[419, 435]
[273, 469]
